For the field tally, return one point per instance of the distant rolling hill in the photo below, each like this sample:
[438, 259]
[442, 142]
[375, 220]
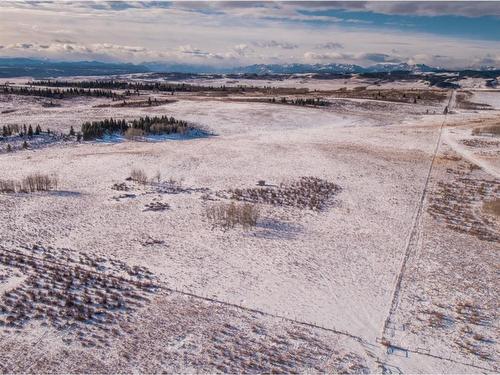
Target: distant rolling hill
[19, 67]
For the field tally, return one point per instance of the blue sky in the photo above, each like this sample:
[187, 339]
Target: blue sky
[483, 27]
[449, 34]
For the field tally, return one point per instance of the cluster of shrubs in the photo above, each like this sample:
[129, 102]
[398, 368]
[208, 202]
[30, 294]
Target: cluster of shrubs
[228, 215]
[139, 176]
[62, 294]
[317, 102]
[170, 186]
[492, 207]
[57, 93]
[307, 192]
[30, 184]
[492, 130]
[453, 203]
[157, 206]
[143, 125]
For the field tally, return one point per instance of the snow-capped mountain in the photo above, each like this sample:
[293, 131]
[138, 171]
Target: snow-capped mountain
[333, 68]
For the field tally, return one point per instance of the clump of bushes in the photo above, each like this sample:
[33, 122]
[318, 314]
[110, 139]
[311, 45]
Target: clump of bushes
[7, 186]
[492, 207]
[132, 133]
[493, 130]
[30, 184]
[91, 293]
[39, 182]
[307, 192]
[453, 203]
[139, 176]
[157, 206]
[229, 215]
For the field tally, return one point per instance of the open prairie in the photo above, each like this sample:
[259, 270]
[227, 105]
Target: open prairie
[351, 227]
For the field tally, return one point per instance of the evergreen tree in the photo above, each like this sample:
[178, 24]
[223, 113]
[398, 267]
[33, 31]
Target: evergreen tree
[30, 131]
[71, 131]
[25, 145]
[9, 148]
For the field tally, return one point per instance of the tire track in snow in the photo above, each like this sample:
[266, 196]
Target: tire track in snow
[469, 156]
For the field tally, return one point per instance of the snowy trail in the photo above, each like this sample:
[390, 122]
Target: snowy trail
[463, 151]
[468, 155]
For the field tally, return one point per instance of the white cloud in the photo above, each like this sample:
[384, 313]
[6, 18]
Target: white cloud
[430, 8]
[330, 45]
[242, 49]
[226, 33]
[275, 44]
[331, 56]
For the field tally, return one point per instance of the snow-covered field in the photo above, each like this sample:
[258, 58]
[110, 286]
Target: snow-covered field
[311, 83]
[303, 290]
[490, 97]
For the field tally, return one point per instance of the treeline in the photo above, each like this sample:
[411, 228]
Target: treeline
[443, 82]
[144, 125]
[158, 86]
[133, 86]
[300, 101]
[97, 84]
[59, 94]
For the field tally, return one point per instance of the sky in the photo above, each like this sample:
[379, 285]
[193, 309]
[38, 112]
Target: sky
[446, 34]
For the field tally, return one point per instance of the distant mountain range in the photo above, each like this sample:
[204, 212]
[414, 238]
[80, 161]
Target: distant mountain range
[333, 68]
[289, 68]
[19, 67]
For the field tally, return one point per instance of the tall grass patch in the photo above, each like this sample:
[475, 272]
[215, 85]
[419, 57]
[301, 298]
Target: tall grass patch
[229, 215]
[30, 184]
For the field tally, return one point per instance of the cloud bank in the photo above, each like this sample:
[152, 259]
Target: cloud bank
[243, 33]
